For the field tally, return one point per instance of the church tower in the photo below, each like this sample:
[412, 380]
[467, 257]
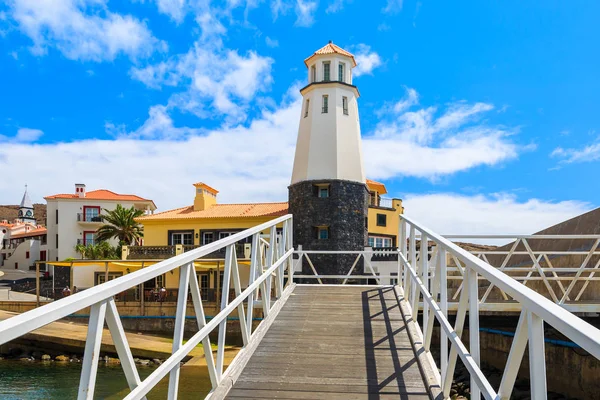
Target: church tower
[328, 196]
[26, 209]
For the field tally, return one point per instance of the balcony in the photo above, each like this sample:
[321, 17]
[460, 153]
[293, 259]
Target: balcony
[381, 202]
[89, 218]
[164, 252]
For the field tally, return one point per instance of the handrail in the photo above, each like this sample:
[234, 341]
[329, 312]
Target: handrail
[264, 268]
[39, 317]
[535, 310]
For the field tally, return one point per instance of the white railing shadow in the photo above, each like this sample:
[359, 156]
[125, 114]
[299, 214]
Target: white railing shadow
[269, 260]
[418, 281]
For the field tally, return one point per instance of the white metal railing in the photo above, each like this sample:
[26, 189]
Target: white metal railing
[419, 280]
[356, 256]
[566, 273]
[267, 267]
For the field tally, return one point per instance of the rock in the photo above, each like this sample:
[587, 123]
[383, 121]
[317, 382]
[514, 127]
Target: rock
[136, 360]
[454, 397]
[453, 392]
[29, 359]
[46, 357]
[156, 361]
[62, 359]
[144, 362]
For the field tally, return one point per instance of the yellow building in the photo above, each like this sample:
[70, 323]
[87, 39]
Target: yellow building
[383, 217]
[205, 221]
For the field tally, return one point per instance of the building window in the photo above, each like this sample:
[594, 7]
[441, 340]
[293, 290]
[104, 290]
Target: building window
[43, 255]
[323, 233]
[16, 265]
[57, 238]
[88, 238]
[223, 235]
[313, 74]
[306, 109]
[345, 105]
[185, 238]
[323, 192]
[56, 216]
[377, 241]
[101, 277]
[325, 104]
[381, 220]
[27, 255]
[326, 72]
[341, 72]
[91, 214]
[208, 237]
[160, 281]
[203, 281]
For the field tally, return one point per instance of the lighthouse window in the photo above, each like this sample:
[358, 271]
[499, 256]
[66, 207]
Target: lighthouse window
[325, 104]
[341, 72]
[345, 105]
[324, 233]
[324, 192]
[306, 110]
[313, 75]
[326, 72]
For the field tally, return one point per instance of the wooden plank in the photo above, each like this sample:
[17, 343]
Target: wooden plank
[334, 343]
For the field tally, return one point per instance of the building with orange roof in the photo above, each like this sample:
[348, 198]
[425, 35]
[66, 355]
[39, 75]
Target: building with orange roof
[22, 241]
[73, 219]
[202, 222]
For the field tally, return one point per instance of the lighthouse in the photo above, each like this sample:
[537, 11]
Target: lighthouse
[328, 196]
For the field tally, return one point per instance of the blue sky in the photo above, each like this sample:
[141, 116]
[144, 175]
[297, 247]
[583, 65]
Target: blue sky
[478, 108]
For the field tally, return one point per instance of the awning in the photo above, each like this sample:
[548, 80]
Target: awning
[133, 264]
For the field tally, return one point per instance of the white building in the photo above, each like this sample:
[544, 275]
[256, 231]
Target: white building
[22, 242]
[73, 218]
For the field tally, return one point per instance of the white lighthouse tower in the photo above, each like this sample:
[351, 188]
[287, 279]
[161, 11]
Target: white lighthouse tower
[328, 145]
[328, 195]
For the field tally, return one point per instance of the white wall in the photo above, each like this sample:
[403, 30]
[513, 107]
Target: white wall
[19, 255]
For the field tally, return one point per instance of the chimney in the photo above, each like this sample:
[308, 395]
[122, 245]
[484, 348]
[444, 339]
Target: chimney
[205, 196]
[80, 190]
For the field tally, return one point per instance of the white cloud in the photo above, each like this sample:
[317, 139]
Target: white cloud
[271, 42]
[366, 60]
[251, 163]
[176, 9]
[335, 6]
[305, 12]
[219, 82]
[588, 153]
[501, 213]
[428, 144]
[24, 135]
[392, 7]
[82, 29]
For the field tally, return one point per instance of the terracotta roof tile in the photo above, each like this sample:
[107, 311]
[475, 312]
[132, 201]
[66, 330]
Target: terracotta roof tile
[331, 48]
[205, 186]
[223, 211]
[101, 194]
[34, 232]
[378, 186]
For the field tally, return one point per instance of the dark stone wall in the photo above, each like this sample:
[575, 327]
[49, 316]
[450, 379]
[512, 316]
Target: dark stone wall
[344, 211]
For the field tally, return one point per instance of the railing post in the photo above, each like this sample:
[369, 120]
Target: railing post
[178, 249]
[182, 295]
[424, 254]
[413, 288]
[91, 355]
[474, 326]
[537, 356]
[252, 277]
[402, 247]
[444, 307]
[224, 302]
[290, 245]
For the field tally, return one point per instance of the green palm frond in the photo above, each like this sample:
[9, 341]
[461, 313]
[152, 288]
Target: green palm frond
[121, 224]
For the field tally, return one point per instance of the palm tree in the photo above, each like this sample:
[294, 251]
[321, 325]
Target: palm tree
[121, 225]
[98, 251]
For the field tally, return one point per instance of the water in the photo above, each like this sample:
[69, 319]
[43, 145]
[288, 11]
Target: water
[51, 380]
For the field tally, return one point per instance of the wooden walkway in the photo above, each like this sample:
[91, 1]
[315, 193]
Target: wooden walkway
[344, 342]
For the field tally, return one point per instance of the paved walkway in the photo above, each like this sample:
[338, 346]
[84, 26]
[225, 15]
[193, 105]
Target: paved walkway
[334, 343]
